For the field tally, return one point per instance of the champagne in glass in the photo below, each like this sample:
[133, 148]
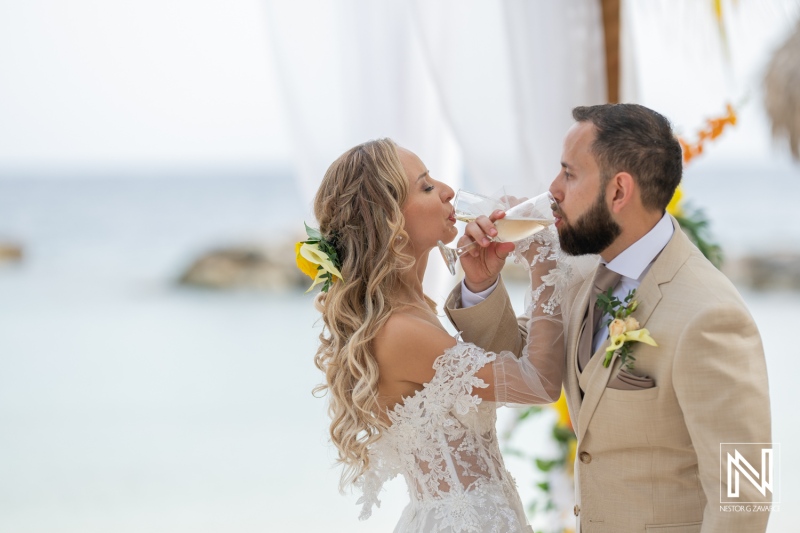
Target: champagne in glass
[514, 229]
[522, 220]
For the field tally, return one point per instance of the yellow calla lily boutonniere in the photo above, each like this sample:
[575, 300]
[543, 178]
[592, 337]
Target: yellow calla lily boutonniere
[317, 258]
[623, 329]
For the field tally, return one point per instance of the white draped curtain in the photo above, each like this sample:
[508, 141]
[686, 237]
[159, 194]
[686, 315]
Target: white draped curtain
[509, 74]
[477, 89]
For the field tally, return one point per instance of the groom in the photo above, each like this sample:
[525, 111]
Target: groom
[650, 434]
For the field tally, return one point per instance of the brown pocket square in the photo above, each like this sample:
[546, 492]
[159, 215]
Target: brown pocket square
[624, 380]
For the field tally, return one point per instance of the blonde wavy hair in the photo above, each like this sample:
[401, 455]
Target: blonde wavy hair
[358, 206]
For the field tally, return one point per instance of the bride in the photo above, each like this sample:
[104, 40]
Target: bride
[406, 398]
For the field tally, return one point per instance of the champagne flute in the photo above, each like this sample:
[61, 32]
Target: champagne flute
[522, 220]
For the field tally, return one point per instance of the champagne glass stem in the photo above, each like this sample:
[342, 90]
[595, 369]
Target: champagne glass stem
[451, 255]
[461, 250]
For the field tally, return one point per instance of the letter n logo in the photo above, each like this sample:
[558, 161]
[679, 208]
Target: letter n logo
[745, 465]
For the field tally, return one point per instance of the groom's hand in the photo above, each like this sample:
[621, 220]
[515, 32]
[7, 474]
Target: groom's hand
[482, 263]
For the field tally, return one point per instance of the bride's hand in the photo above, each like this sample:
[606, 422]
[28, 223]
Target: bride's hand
[483, 263]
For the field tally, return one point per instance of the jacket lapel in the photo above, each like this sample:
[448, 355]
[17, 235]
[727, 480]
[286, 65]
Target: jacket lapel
[576, 314]
[595, 376]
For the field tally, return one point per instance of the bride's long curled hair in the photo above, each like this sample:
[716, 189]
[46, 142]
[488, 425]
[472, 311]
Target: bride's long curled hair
[358, 206]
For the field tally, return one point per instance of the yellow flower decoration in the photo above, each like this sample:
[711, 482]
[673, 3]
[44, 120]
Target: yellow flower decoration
[675, 208]
[563, 413]
[573, 450]
[310, 254]
[306, 267]
[317, 258]
[616, 343]
[640, 335]
[623, 328]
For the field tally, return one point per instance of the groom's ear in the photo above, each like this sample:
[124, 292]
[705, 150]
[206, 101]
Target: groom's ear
[623, 190]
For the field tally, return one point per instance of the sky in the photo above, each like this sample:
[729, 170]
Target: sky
[185, 83]
[153, 82]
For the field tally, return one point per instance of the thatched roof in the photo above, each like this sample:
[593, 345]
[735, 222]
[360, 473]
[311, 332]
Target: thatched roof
[782, 92]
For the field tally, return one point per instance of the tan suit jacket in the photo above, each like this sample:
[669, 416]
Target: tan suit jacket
[649, 459]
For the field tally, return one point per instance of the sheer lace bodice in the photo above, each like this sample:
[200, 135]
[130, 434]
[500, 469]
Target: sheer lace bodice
[442, 439]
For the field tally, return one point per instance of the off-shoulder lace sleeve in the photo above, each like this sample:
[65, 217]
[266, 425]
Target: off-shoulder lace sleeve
[421, 421]
[536, 376]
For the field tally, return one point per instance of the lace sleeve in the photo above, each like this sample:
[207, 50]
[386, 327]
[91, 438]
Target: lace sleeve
[536, 376]
[416, 421]
[451, 387]
[370, 484]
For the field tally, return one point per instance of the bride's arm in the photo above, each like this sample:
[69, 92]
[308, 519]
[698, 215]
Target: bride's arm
[536, 376]
[408, 346]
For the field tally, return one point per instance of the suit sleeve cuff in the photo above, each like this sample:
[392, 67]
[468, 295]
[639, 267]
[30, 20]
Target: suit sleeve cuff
[469, 298]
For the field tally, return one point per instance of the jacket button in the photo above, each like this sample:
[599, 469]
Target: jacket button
[577, 510]
[586, 458]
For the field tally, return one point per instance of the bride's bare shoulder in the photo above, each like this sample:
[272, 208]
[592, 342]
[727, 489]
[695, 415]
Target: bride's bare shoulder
[410, 340]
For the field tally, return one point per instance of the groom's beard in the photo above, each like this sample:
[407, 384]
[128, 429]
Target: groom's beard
[593, 232]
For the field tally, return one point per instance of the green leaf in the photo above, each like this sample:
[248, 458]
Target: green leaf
[328, 281]
[513, 452]
[544, 485]
[630, 295]
[696, 226]
[626, 356]
[313, 233]
[563, 434]
[528, 412]
[545, 466]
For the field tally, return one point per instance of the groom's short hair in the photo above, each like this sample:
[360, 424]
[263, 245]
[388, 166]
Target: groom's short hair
[634, 139]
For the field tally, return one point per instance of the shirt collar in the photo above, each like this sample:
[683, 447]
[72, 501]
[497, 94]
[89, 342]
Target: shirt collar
[634, 261]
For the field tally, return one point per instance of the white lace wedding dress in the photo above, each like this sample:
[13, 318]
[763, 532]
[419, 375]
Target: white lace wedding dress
[442, 439]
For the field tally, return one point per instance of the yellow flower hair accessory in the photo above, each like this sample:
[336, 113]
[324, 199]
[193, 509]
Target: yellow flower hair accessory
[317, 259]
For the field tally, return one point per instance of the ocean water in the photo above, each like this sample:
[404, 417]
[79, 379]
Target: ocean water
[130, 404]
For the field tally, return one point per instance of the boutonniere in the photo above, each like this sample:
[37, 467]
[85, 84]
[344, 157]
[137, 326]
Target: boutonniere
[623, 329]
[317, 259]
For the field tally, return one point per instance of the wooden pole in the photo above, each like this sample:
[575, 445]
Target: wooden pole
[611, 18]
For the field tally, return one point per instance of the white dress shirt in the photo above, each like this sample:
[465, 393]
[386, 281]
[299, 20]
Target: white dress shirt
[632, 264]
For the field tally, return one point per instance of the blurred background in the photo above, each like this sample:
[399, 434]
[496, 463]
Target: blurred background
[158, 159]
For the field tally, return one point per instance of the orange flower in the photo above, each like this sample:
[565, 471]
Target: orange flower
[731, 114]
[714, 128]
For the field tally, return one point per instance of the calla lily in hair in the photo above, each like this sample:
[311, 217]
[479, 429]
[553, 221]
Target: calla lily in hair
[317, 259]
